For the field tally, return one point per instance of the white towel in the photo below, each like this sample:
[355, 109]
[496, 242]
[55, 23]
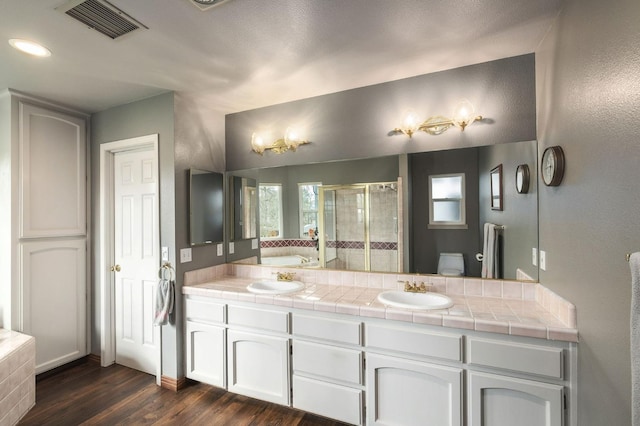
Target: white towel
[634, 264]
[164, 301]
[490, 260]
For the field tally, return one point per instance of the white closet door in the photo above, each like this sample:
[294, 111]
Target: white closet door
[54, 290]
[52, 173]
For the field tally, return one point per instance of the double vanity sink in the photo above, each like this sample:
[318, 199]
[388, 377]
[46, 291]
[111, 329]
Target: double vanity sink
[395, 298]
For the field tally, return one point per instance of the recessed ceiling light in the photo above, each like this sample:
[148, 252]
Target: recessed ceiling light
[29, 47]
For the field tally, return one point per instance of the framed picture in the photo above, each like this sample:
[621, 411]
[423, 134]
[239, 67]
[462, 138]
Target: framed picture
[496, 188]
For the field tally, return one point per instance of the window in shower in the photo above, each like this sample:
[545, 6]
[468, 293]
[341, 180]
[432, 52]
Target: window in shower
[270, 196]
[447, 201]
[308, 202]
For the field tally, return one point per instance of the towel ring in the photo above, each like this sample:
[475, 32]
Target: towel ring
[162, 273]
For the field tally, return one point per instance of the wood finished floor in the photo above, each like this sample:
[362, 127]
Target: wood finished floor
[87, 394]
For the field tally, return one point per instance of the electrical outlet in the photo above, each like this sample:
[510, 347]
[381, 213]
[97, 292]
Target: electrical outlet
[220, 249]
[185, 255]
[534, 256]
[232, 248]
[543, 260]
[165, 254]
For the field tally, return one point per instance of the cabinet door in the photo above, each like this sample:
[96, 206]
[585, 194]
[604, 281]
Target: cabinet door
[505, 401]
[52, 173]
[258, 366]
[206, 354]
[54, 290]
[403, 392]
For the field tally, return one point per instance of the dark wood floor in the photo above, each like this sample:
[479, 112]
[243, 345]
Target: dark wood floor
[91, 395]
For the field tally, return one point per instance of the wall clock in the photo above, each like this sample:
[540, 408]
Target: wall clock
[552, 166]
[522, 179]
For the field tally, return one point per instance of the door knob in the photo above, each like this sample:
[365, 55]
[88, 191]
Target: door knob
[115, 268]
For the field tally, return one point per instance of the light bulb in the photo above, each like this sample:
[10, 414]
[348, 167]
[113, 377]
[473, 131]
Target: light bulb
[291, 138]
[257, 143]
[410, 123]
[464, 114]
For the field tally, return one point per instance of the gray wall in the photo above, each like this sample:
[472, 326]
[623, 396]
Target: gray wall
[149, 116]
[520, 211]
[355, 123]
[588, 85]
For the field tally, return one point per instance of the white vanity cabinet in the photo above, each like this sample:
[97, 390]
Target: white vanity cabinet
[205, 341]
[414, 377]
[258, 353]
[519, 383]
[328, 367]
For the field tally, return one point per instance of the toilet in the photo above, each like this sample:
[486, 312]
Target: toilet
[451, 264]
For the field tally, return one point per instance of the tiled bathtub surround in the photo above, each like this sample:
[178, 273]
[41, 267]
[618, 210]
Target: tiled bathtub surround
[17, 376]
[508, 307]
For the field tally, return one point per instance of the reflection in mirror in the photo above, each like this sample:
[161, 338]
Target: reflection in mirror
[407, 242]
[206, 207]
[244, 201]
[496, 188]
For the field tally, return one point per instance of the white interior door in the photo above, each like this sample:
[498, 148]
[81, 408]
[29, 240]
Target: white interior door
[136, 246]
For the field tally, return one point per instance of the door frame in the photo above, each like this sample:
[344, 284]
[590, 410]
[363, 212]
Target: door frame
[106, 246]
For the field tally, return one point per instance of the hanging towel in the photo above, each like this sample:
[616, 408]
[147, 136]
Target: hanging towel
[490, 260]
[164, 301]
[634, 264]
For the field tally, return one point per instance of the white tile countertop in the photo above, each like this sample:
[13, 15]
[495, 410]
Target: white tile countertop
[497, 306]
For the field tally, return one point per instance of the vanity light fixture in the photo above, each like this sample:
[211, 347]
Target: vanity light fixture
[30, 47]
[463, 116]
[290, 142]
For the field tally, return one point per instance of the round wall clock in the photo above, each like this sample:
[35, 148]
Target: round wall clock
[522, 179]
[552, 166]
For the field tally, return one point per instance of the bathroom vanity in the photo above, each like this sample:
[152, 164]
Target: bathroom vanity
[334, 350]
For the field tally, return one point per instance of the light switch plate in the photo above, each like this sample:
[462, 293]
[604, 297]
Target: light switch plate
[185, 255]
[543, 260]
[254, 244]
[232, 248]
[220, 249]
[534, 256]
[165, 254]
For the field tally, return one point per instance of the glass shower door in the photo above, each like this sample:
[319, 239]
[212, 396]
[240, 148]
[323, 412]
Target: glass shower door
[343, 227]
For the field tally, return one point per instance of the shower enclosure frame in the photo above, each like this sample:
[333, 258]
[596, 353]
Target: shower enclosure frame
[366, 187]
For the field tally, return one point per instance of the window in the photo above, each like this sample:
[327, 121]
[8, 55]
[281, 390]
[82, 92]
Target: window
[308, 202]
[270, 196]
[446, 201]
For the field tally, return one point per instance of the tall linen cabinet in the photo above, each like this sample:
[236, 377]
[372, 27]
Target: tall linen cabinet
[43, 226]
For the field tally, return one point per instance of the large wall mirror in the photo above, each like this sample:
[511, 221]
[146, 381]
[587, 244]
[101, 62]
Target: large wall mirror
[206, 207]
[358, 215]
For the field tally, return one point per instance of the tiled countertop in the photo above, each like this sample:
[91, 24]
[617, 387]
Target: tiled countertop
[531, 314]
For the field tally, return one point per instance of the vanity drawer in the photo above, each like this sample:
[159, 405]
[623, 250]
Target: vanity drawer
[327, 361]
[262, 319]
[329, 400]
[340, 331]
[415, 342]
[204, 310]
[524, 358]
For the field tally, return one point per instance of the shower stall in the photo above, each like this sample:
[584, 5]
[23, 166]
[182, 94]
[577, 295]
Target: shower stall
[360, 227]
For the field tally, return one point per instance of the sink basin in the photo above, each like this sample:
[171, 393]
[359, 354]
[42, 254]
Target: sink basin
[403, 299]
[275, 287]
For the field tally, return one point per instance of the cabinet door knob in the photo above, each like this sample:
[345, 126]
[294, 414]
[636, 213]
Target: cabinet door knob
[115, 268]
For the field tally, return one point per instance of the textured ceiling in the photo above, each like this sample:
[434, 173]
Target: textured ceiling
[245, 54]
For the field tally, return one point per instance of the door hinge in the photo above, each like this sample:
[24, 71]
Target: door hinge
[290, 349]
[564, 399]
[364, 363]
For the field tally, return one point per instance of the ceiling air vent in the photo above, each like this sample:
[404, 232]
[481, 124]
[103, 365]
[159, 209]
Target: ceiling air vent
[206, 4]
[101, 16]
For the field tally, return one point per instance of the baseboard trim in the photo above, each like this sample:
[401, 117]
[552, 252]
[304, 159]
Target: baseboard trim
[173, 384]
